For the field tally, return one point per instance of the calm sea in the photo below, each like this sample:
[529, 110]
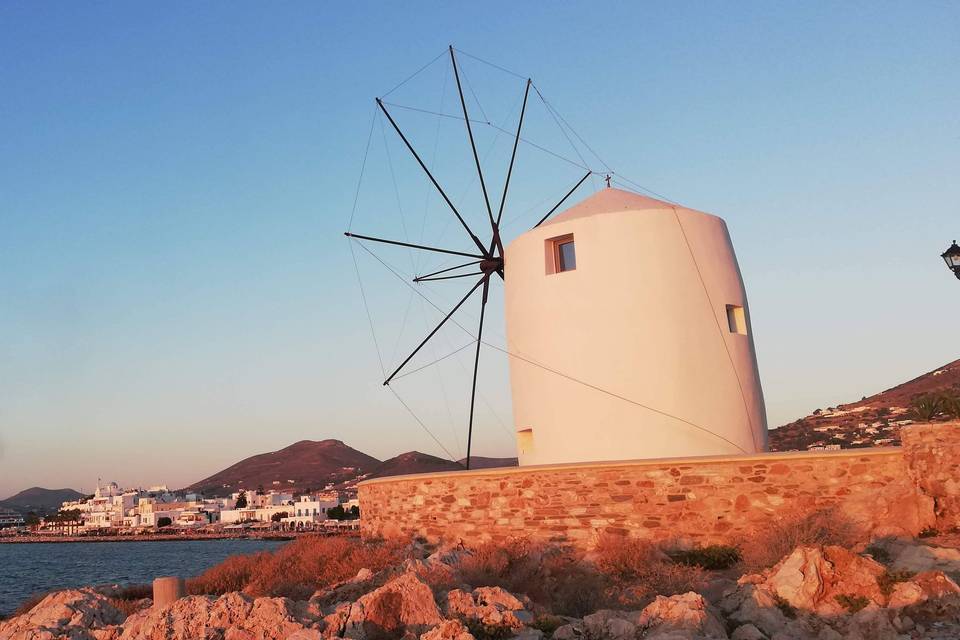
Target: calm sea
[26, 569]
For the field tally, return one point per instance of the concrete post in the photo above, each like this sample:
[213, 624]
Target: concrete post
[167, 590]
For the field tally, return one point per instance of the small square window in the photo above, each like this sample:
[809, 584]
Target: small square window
[736, 320]
[561, 254]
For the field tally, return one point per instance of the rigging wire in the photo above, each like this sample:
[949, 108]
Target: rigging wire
[438, 360]
[572, 130]
[433, 163]
[443, 390]
[487, 62]
[356, 266]
[720, 332]
[563, 131]
[363, 168]
[420, 422]
[396, 188]
[415, 74]
[613, 394]
[582, 164]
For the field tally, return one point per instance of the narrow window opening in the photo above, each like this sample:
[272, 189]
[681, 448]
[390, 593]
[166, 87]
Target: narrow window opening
[736, 319]
[525, 441]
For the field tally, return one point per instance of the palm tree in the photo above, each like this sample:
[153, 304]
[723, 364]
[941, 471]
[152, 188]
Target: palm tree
[926, 407]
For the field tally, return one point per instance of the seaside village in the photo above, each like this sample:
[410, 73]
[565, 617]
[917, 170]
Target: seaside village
[113, 510]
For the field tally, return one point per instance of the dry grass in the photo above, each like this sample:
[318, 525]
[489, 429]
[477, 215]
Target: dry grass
[643, 569]
[777, 538]
[552, 576]
[297, 569]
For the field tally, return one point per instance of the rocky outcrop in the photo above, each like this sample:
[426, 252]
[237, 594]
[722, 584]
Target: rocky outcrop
[77, 614]
[682, 616]
[235, 616]
[828, 593]
[813, 578]
[490, 607]
[448, 630]
[404, 604]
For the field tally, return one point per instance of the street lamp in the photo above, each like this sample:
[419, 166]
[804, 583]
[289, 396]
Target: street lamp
[952, 257]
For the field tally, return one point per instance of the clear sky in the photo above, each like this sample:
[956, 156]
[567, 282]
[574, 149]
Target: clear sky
[175, 291]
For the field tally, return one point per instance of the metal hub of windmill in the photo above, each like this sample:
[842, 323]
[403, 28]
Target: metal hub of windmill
[488, 259]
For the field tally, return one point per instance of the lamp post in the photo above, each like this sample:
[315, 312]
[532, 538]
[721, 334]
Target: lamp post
[952, 257]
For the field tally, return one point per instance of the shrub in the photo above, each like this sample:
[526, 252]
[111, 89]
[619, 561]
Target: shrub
[785, 607]
[890, 578]
[644, 569]
[297, 569]
[852, 603]
[30, 603]
[128, 607]
[951, 405]
[548, 623]
[879, 554]
[928, 533]
[552, 576]
[714, 558]
[777, 538]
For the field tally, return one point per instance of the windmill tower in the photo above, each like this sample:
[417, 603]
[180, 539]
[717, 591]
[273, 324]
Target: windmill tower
[631, 333]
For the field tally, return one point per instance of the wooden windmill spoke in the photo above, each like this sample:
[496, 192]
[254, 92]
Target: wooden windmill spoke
[459, 266]
[473, 146]
[436, 184]
[437, 328]
[476, 365]
[461, 275]
[563, 199]
[506, 184]
[414, 246]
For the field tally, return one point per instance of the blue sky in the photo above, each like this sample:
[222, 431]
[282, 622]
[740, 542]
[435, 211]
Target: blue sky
[175, 291]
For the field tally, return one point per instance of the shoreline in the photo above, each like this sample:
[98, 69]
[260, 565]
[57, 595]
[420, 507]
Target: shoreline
[279, 536]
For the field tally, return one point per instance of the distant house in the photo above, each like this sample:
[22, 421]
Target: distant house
[10, 518]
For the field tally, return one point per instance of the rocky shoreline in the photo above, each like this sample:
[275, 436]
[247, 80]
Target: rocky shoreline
[822, 592]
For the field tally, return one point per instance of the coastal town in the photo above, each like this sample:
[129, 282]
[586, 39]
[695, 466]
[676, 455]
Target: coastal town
[115, 511]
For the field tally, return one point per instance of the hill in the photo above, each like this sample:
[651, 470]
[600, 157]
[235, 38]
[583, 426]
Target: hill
[480, 462]
[39, 500]
[413, 462]
[869, 422]
[307, 464]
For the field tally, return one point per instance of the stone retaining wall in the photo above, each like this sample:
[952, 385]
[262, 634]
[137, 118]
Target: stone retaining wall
[712, 499]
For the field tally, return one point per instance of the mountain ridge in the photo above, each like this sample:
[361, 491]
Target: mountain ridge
[39, 500]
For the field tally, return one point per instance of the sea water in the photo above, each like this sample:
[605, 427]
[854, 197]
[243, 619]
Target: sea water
[30, 568]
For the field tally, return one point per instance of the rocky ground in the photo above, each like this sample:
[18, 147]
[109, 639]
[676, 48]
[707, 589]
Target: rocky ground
[821, 592]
